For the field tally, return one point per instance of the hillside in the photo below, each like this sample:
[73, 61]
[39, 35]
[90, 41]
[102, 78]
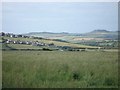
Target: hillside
[105, 34]
[47, 42]
[102, 34]
[93, 39]
[100, 31]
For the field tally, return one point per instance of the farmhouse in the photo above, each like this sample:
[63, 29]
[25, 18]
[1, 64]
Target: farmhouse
[21, 42]
[28, 42]
[12, 35]
[34, 44]
[15, 42]
[8, 41]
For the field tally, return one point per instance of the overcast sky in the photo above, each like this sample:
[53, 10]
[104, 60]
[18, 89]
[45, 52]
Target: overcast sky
[79, 17]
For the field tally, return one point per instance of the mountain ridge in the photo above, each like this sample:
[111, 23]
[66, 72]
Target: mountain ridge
[94, 31]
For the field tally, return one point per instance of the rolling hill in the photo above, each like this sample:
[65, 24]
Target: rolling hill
[102, 34]
[105, 34]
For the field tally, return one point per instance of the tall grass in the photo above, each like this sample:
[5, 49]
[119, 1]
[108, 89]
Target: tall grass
[54, 69]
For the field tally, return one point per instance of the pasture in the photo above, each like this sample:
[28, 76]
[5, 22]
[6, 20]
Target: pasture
[57, 69]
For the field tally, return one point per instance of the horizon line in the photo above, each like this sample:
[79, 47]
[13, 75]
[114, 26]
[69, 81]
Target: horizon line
[59, 32]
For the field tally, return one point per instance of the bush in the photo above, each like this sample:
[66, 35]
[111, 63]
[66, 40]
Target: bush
[46, 49]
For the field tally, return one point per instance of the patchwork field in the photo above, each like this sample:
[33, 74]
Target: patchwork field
[52, 41]
[56, 69]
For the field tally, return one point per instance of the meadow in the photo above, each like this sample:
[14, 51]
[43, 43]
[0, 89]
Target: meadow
[59, 69]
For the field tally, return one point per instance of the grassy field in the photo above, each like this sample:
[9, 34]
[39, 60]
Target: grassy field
[19, 46]
[55, 69]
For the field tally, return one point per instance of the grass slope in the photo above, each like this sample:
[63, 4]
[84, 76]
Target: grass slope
[21, 46]
[51, 41]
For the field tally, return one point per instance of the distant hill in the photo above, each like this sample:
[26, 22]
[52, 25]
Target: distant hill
[102, 34]
[99, 33]
[49, 35]
[46, 33]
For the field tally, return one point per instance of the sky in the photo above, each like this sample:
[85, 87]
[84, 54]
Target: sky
[72, 17]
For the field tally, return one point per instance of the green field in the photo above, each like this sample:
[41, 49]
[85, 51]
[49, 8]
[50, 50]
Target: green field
[19, 46]
[56, 69]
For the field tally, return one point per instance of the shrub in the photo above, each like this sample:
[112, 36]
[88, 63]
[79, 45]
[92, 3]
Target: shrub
[46, 49]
